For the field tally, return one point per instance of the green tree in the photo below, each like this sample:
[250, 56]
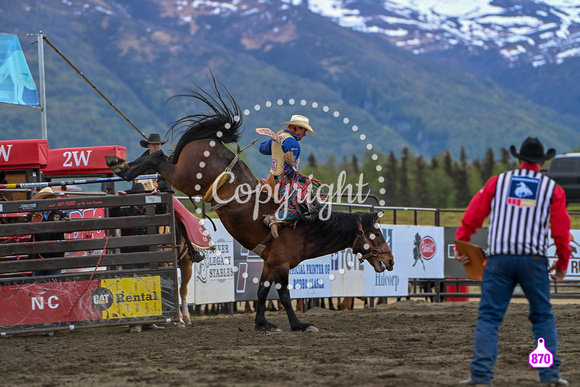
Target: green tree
[504, 156]
[311, 162]
[462, 194]
[391, 174]
[448, 163]
[488, 164]
[423, 195]
[405, 194]
[354, 165]
[442, 188]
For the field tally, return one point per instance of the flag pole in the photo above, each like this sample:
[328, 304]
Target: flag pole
[42, 86]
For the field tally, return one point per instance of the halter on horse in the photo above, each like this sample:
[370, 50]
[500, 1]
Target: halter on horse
[197, 166]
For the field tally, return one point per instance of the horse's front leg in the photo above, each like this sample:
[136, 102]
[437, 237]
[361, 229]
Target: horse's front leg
[284, 295]
[263, 289]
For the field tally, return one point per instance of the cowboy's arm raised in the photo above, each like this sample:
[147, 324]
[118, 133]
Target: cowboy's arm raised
[266, 147]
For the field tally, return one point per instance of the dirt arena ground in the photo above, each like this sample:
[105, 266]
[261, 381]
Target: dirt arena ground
[407, 343]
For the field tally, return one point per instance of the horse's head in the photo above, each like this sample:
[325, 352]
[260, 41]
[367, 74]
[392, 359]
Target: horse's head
[370, 244]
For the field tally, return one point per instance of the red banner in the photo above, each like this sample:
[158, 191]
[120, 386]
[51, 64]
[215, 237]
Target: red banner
[23, 154]
[41, 303]
[81, 161]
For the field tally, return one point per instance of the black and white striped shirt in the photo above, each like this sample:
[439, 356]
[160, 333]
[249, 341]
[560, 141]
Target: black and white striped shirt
[519, 220]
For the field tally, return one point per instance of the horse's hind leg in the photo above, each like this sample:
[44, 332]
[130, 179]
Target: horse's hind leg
[186, 267]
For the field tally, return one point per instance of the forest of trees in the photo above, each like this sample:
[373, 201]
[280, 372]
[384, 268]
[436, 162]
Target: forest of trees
[412, 181]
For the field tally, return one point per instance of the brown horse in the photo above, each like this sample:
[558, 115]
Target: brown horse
[202, 165]
[186, 256]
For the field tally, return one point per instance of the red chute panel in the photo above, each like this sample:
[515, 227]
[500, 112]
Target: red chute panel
[81, 161]
[23, 154]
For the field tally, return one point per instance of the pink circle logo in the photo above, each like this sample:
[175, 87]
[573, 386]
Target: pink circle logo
[428, 247]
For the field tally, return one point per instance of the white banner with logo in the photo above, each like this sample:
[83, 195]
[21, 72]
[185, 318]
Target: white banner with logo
[213, 278]
[573, 273]
[419, 251]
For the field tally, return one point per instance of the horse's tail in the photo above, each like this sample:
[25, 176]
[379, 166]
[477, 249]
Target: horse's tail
[221, 121]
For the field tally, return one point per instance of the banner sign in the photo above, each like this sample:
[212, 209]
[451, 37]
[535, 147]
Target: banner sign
[81, 161]
[573, 273]
[312, 278]
[213, 278]
[419, 251]
[23, 154]
[33, 302]
[16, 83]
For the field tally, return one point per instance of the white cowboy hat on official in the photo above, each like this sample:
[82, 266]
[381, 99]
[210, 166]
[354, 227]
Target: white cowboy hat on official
[301, 121]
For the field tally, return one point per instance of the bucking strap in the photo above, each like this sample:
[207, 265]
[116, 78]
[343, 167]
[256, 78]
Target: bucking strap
[218, 182]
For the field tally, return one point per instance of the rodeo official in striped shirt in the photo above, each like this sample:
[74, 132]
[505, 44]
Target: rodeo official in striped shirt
[522, 205]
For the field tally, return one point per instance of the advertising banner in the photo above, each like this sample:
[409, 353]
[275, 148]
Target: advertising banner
[311, 279]
[80, 161]
[22, 154]
[419, 251]
[213, 278]
[31, 302]
[574, 264]
[248, 272]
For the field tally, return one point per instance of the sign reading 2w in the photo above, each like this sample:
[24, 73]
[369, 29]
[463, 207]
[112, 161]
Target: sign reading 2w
[81, 160]
[75, 158]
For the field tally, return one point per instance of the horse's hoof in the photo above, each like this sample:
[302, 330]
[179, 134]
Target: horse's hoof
[180, 325]
[305, 328]
[116, 164]
[268, 327]
[113, 161]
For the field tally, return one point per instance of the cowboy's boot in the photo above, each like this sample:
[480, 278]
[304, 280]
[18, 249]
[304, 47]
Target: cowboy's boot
[274, 229]
[272, 223]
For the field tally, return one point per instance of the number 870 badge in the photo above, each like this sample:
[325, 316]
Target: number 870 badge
[541, 357]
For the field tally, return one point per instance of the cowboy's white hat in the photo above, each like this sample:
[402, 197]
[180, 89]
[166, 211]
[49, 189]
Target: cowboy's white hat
[46, 193]
[301, 121]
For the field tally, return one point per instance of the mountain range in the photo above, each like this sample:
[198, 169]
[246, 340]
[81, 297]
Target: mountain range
[373, 76]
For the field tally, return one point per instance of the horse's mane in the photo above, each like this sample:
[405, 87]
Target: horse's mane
[221, 121]
[341, 227]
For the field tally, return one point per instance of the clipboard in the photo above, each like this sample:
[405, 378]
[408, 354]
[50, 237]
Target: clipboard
[474, 269]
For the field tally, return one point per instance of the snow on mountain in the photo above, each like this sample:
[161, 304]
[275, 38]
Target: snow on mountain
[523, 31]
[536, 32]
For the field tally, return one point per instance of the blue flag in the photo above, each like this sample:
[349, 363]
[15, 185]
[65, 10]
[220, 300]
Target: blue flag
[16, 83]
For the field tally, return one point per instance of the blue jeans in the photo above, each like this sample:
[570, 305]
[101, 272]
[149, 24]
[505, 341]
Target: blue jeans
[502, 273]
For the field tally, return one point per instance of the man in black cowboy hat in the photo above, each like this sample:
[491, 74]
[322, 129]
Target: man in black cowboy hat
[521, 204]
[153, 144]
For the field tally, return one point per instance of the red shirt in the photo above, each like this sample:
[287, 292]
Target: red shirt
[480, 207]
